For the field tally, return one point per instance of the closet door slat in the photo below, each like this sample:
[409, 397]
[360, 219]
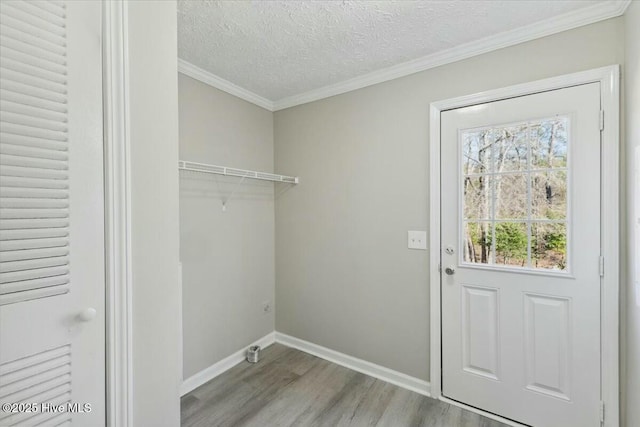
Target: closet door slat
[25, 237]
[34, 159]
[16, 245]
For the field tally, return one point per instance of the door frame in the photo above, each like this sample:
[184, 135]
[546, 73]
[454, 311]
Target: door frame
[117, 193]
[609, 79]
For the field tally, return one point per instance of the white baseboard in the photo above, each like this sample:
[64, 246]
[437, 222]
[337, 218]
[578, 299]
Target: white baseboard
[222, 366]
[367, 368]
[380, 372]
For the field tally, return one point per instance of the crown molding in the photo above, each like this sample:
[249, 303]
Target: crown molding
[560, 23]
[564, 22]
[188, 69]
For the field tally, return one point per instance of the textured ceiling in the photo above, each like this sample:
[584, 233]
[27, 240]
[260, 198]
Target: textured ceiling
[277, 49]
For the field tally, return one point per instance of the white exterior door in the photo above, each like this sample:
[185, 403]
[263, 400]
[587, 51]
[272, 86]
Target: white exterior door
[521, 257]
[52, 280]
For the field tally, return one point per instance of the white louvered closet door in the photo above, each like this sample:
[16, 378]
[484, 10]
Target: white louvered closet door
[52, 280]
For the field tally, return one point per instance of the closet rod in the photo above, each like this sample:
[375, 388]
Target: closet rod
[224, 170]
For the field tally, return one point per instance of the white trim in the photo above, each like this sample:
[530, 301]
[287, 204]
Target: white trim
[119, 361]
[376, 371]
[585, 16]
[181, 317]
[610, 326]
[188, 69]
[222, 366]
[567, 21]
[359, 365]
[608, 77]
[435, 261]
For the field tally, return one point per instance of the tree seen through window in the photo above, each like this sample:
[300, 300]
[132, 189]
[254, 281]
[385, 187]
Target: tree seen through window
[515, 194]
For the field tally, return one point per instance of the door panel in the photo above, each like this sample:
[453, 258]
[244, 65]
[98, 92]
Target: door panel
[51, 212]
[480, 335]
[521, 211]
[547, 334]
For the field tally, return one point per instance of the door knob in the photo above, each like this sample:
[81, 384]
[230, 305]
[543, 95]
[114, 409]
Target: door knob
[87, 315]
[450, 271]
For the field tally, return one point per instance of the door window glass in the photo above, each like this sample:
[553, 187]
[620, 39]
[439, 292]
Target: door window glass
[515, 193]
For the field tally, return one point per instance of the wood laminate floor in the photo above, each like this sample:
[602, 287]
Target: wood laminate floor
[292, 388]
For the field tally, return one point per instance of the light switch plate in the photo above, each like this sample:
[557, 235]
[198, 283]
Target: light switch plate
[417, 240]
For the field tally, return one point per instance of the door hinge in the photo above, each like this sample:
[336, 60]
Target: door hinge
[601, 119]
[601, 266]
[601, 411]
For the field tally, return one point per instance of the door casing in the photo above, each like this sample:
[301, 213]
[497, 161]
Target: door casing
[117, 191]
[609, 79]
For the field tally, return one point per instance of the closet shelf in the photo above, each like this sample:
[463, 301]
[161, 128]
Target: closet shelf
[224, 170]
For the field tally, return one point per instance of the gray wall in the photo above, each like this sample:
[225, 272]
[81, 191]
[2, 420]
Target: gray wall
[153, 114]
[631, 76]
[344, 276]
[227, 257]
